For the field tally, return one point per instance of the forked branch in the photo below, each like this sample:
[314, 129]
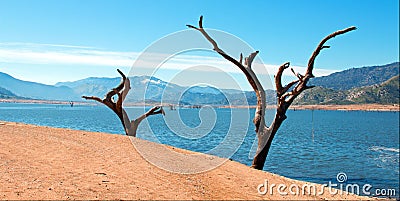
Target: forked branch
[121, 91]
[246, 69]
[303, 79]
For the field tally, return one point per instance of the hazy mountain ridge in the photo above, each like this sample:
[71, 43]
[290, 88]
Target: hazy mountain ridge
[36, 90]
[154, 90]
[143, 88]
[4, 93]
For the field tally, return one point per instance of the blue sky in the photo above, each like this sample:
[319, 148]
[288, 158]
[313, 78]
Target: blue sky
[50, 41]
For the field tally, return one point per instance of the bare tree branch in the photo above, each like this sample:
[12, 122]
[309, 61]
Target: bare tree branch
[278, 78]
[127, 87]
[93, 98]
[322, 46]
[122, 91]
[222, 53]
[200, 28]
[249, 60]
[246, 69]
[153, 111]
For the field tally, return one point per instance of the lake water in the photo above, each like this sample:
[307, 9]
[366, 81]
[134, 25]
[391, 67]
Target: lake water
[310, 145]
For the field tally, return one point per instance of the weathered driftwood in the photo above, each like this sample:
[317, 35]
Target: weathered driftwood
[122, 91]
[285, 94]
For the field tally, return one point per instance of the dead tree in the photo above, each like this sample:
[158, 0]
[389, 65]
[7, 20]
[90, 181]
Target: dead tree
[121, 91]
[285, 94]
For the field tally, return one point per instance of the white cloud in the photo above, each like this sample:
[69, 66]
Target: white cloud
[61, 54]
[31, 53]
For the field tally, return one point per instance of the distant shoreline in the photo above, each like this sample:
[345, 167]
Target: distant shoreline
[355, 107]
[358, 107]
[33, 101]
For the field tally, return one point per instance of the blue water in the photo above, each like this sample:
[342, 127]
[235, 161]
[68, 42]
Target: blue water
[310, 145]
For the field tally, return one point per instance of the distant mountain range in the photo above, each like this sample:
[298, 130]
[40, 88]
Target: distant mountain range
[357, 77]
[36, 90]
[375, 84]
[384, 93]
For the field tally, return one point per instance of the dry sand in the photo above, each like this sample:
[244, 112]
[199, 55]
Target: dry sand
[51, 163]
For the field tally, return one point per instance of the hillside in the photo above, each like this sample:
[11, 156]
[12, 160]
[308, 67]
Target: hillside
[357, 77]
[383, 93]
[4, 93]
[35, 90]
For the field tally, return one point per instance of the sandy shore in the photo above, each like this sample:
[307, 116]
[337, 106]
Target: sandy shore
[51, 163]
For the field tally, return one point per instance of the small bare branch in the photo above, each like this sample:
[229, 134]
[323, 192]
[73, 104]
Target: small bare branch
[212, 41]
[291, 69]
[201, 22]
[155, 110]
[278, 78]
[192, 27]
[249, 60]
[298, 75]
[288, 86]
[93, 98]
[322, 46]
[285, 96]
[127, 87]
[122, 75]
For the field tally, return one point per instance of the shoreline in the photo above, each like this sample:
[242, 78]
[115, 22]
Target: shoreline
[359, 107]
[52, 163]
[55, 102]
[354, 107]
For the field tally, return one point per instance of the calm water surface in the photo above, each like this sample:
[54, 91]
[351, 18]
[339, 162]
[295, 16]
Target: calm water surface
[311, 145]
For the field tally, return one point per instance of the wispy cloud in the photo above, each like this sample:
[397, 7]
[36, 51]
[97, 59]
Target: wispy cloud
[61, 54]
[32, 53]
